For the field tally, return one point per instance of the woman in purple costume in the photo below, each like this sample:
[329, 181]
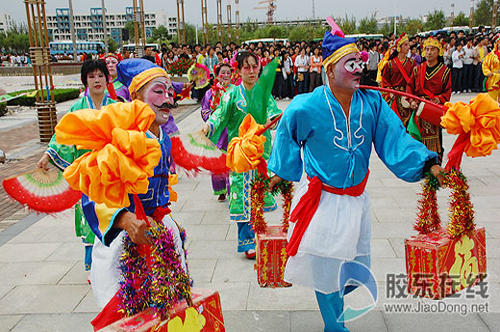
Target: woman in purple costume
[220, 182]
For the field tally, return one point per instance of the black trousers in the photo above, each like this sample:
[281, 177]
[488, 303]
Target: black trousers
[456, 79]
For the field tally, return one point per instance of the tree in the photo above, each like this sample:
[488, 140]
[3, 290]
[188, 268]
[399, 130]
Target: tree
[368, 25]
[131, 30]
[435, 20]
[484, 13]
[160, 33]
[461, 20]
[413, 26]
[348, 25]
[112, 45]
[385, 29]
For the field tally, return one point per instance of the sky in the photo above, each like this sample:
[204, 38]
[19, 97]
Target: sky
[286, 9]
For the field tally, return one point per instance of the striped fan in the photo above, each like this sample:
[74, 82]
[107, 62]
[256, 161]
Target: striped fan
[42, 191]
[195, 152]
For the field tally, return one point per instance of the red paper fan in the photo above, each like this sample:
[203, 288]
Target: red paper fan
[195, 152]
[42, 191]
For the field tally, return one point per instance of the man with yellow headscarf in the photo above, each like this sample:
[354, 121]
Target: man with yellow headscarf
[491, 69]
[329, 133]
[431, 80]
[396, 75]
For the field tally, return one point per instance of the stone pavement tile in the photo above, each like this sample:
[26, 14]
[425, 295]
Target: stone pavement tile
[57, 220]
[492, 229]
[206, 232]
[258, 320]
[42, 299]
[233, 231]
[384, 215]
[201, 270]
[487, 214]
[393, 182]
[492, 320]
[493, 248]
[74, 322]
[391, 230]
[371, 321]
[237, 268]
[285, 298]
[217, 217]
[27, 252]
[213, 249]
[434, 322]
[34, 273]
[4, 289]
[398, 245]
[76, 275]
[382, 248]
[485, 202]
[191, 218]
[46, 234]
[7, 322]
[306, 320]
[381, 267]
[88, 304]
[233, 295]
[177, 206]
[383, 202]
[68, 252]
[200, 203]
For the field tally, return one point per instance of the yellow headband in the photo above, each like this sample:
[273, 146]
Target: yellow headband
[402, 39]
[434, 43]
[338, 54]
[141, 79]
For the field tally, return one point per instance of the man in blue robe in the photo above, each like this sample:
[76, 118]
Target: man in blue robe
[334, 129]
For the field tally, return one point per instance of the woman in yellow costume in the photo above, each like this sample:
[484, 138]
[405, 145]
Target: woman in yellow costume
[491, 69]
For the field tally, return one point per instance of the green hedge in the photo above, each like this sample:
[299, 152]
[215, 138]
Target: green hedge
[60, 95]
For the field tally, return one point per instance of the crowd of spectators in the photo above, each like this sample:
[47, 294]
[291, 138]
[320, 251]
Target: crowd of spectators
[15, 59]
[300, 63]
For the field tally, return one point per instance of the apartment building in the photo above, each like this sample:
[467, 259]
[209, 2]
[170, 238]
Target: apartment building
[6, 23]
[89, 27]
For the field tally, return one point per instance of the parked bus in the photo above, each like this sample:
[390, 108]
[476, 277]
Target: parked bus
[131, 47]
[267, 40]
[66, 47]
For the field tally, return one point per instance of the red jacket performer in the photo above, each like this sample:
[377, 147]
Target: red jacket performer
[431, 80]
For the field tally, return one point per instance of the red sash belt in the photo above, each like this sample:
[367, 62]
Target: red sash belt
[308, 204]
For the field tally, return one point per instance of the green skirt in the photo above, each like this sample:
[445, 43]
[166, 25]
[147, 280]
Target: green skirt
[240, 204]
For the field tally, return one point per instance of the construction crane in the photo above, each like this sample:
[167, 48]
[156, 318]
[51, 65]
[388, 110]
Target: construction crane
[271, 7]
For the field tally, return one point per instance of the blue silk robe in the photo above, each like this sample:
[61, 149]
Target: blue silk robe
[337, 150]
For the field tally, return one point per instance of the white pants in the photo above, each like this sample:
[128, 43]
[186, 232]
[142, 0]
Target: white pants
[105, 274]
[339, 231]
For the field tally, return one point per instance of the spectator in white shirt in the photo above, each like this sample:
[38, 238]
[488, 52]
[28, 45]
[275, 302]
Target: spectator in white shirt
[468, 69]
[302, 64]
[457, 58]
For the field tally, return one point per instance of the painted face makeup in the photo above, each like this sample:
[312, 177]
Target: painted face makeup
[159, 95]
[224, 75]
[250, 71]
[96, 82]
[111, 65]
[348, 71]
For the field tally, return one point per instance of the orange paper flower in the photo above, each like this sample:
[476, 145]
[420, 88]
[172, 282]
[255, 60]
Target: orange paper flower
[480, 118]
[244, 153]
[122, 157]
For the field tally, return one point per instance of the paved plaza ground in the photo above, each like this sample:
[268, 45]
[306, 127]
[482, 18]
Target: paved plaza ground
[43, 285]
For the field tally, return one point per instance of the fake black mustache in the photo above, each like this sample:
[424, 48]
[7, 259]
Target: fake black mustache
[165, 106]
